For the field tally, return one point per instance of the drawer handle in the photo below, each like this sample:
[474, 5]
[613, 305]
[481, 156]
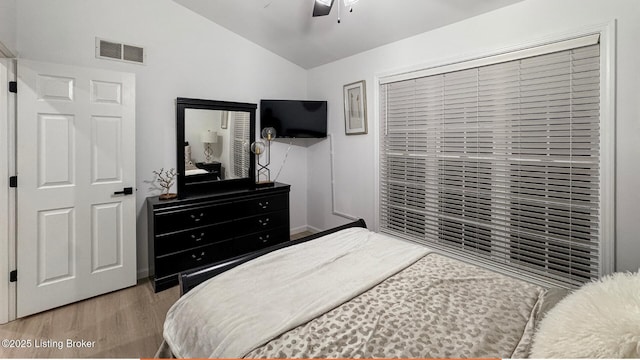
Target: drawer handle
[265, 239]
[197, 239]
[196, 219]
[265, 205]
[264, 222]
[198, 258]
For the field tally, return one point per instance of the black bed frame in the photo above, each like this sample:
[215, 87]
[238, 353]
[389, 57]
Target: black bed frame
[192, 278]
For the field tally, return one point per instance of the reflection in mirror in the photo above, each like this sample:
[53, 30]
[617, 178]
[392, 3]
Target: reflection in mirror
[216, 143]
[213, 140]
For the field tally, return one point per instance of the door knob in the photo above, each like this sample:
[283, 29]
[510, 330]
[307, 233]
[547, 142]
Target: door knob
[125, 191]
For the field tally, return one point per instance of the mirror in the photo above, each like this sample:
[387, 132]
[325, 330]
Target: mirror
[213, 147]
[213, 140]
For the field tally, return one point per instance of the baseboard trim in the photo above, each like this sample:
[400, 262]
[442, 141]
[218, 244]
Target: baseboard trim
[313, 229]
[298, 229]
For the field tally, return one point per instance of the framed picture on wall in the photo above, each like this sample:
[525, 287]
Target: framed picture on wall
[355, 108]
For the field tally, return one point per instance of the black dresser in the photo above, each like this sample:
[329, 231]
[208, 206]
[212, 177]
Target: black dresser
[188, 233]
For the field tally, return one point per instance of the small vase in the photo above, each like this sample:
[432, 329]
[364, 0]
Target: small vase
[168, 196]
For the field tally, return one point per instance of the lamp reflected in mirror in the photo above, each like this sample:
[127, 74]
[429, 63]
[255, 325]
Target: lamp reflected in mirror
[208, 137]
[259, 148]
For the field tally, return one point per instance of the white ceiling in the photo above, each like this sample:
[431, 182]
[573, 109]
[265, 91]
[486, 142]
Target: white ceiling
[286, 27]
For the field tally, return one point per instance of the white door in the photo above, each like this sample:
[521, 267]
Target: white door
[75, 151]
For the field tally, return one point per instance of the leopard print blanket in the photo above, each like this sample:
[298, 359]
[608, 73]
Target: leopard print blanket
[436, 308]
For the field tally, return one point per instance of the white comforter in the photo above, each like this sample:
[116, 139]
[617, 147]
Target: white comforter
[243, 308]
[195, 172]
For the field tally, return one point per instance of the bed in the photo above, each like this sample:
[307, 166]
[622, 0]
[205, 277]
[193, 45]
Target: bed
[349, 292]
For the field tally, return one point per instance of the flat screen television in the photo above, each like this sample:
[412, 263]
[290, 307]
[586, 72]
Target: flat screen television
[294, 118]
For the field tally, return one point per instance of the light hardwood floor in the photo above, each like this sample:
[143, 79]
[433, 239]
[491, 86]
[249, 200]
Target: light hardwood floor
[125, 323]
[300, 235]
[122, 324]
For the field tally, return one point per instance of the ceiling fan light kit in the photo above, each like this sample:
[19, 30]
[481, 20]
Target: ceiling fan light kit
[323, 7]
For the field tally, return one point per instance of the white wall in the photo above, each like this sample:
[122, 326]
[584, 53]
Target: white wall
[8, 24]
[524, 22]
[200, 120]
[187, 56]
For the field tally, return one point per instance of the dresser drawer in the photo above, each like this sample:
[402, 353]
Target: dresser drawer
[261, 205]
[181, 240]
[262, 239]
[192, 217]
[262, 222]
[174, 263]
[191, 232]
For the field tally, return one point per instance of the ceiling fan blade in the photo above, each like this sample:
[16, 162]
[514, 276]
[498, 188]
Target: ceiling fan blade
[320, 9]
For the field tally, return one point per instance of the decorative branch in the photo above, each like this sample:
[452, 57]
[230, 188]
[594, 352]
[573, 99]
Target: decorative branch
[165, 178]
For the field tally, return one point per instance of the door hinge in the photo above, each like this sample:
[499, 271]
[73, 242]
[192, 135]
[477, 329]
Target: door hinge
[13, 181]
[13, 87]
[13, 276]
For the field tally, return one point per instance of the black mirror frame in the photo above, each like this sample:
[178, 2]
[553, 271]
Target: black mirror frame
[186, 187]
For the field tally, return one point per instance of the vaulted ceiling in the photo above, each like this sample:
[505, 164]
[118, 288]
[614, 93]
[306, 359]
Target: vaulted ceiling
[286, 27]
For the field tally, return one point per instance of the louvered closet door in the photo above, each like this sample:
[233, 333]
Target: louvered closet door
[500, 162]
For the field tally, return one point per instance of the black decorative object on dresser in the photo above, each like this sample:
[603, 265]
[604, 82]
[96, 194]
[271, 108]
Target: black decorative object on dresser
[214, 168]
[199, 230]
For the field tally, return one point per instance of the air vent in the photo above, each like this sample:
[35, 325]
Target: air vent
[106, 49]
[133, 53]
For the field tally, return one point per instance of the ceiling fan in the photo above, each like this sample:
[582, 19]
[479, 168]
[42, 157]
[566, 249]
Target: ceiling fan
[323, 7]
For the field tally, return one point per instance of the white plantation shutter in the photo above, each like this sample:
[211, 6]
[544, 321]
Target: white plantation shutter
[499, 162]
[241, 124]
